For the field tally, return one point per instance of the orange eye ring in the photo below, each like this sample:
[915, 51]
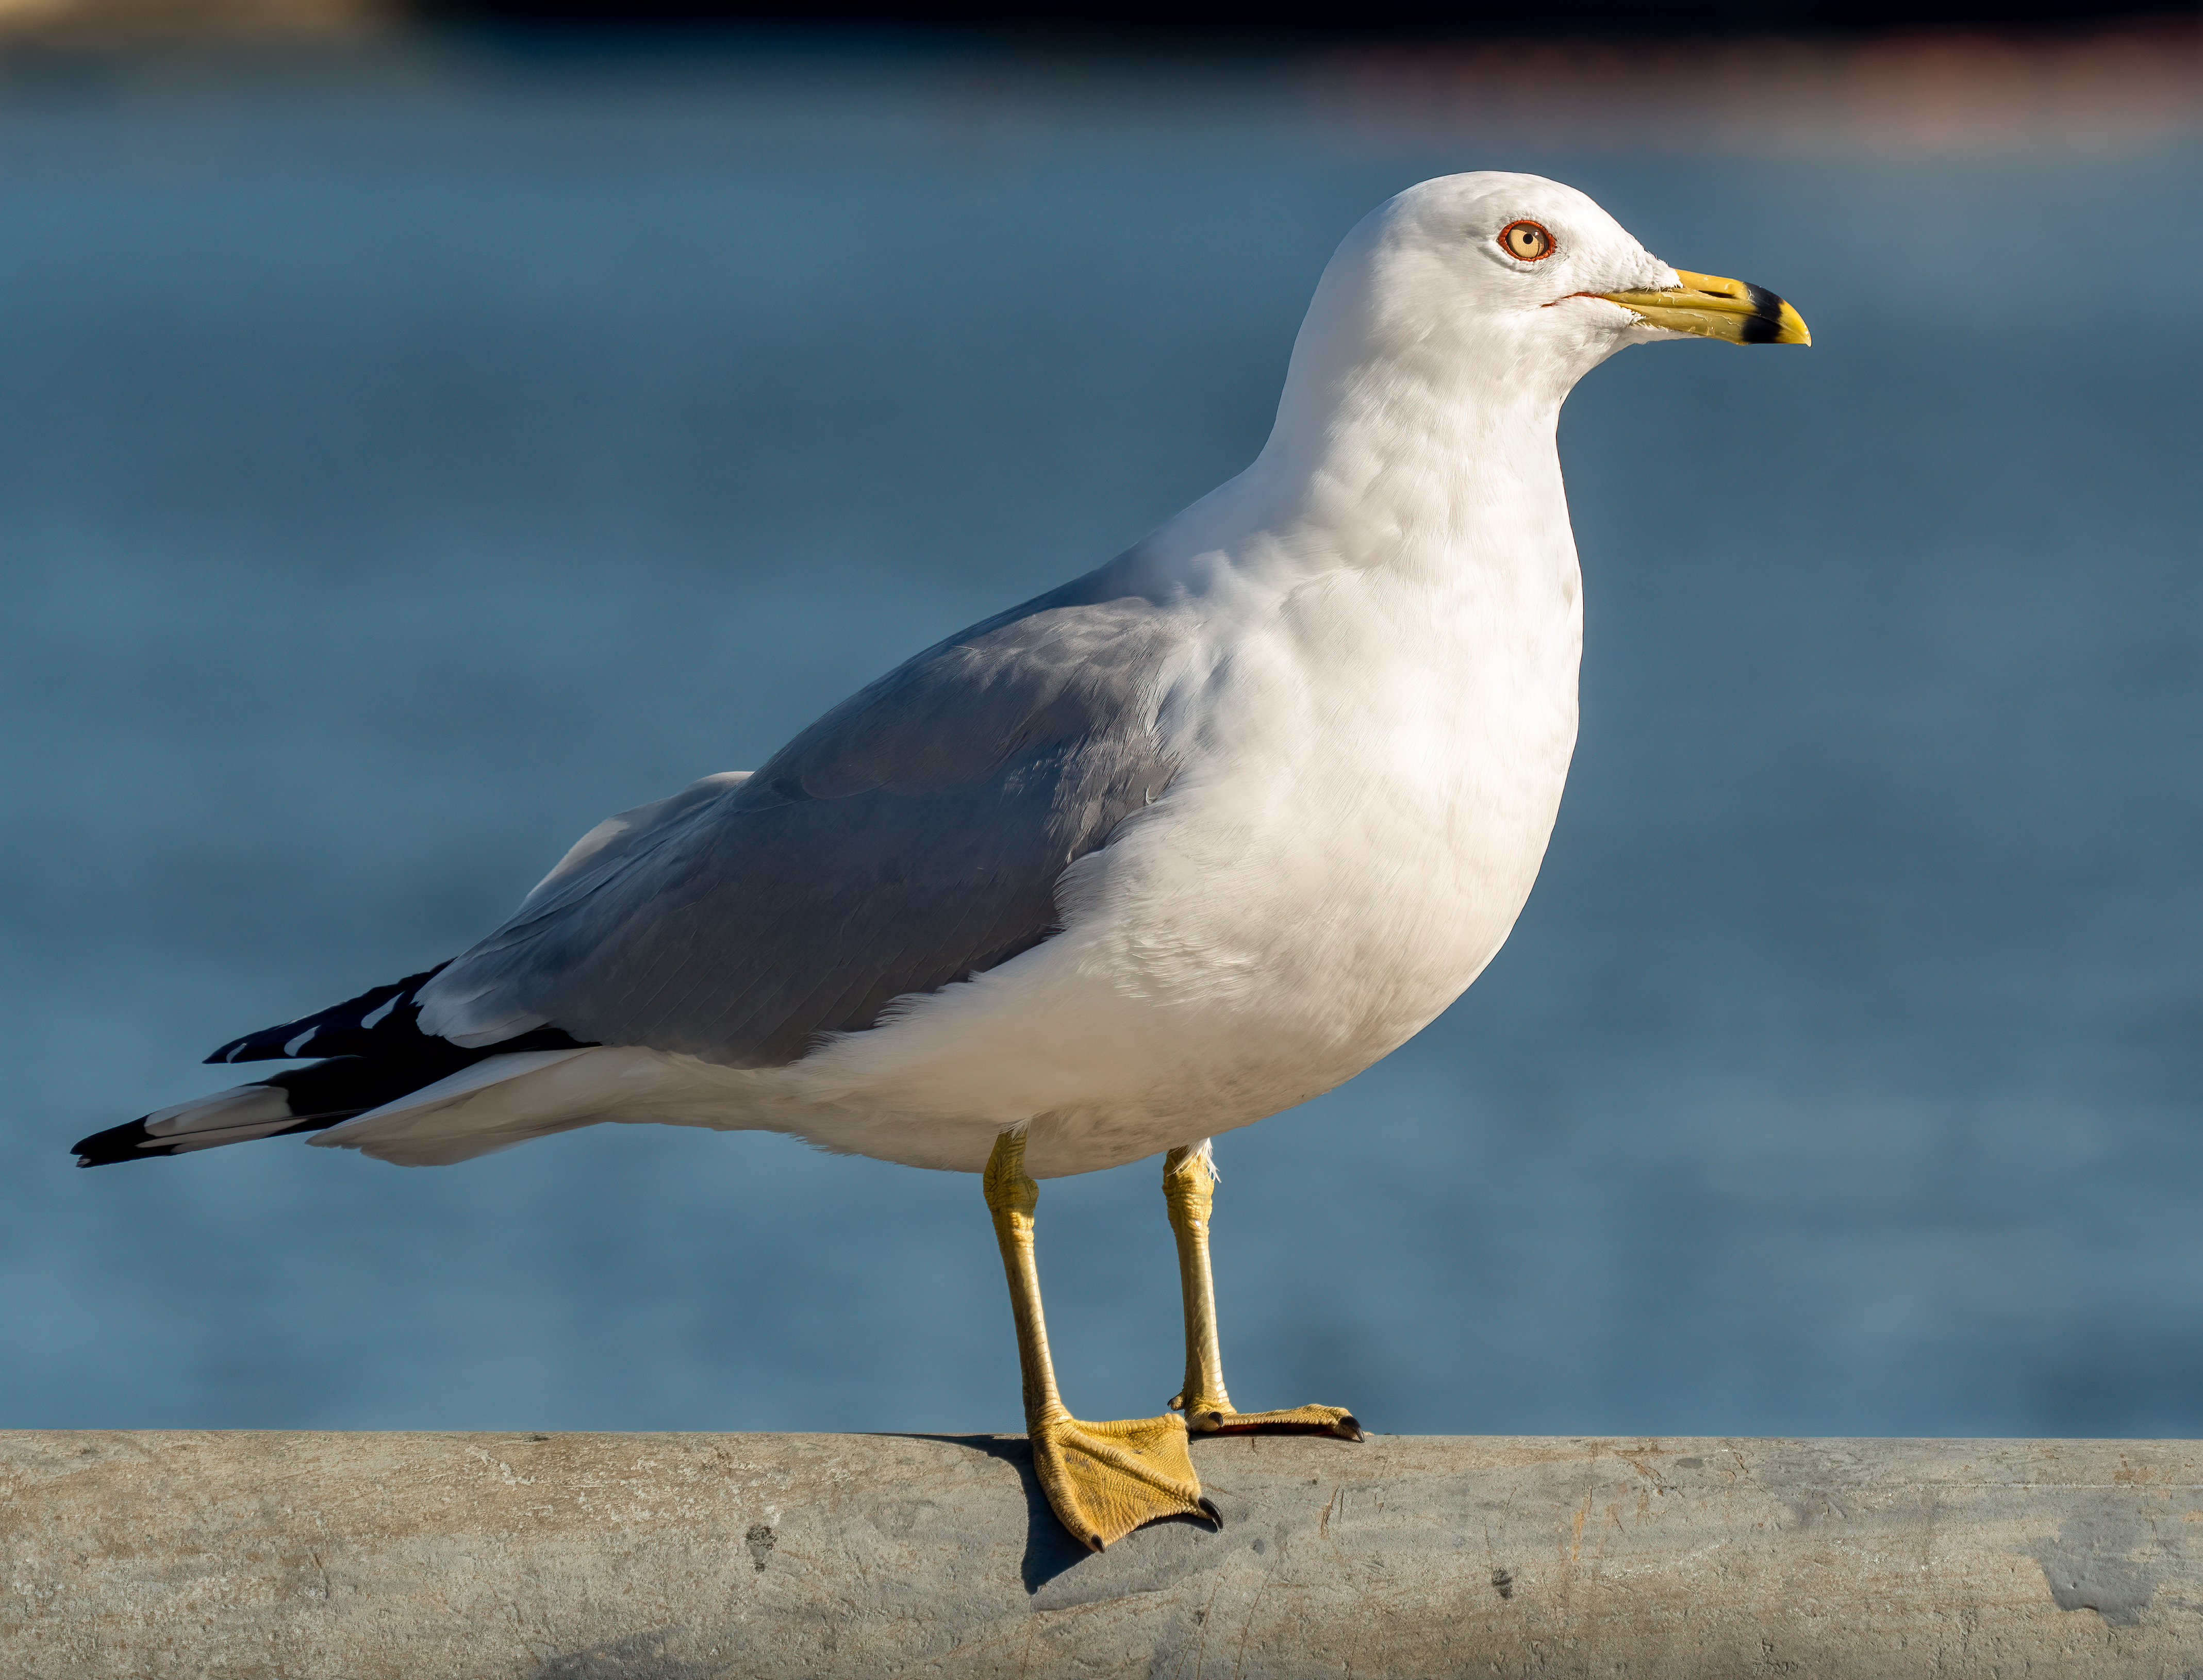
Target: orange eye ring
[1526, 241]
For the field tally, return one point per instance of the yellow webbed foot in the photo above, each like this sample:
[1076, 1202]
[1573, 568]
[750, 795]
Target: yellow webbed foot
[1207, 1418]
[1104, 1480]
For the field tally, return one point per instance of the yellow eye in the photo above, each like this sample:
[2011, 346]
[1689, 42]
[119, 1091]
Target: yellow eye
[1526, 240]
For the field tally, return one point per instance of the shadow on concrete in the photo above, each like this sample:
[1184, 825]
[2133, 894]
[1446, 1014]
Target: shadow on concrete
[1050, 1552]
[642, 1656]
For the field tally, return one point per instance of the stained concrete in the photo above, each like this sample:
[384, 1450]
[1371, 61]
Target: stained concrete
[679, 1557]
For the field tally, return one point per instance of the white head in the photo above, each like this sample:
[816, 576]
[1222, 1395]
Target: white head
[1503, 290]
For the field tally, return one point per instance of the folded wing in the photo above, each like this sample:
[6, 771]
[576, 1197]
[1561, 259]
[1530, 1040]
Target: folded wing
[913, 836]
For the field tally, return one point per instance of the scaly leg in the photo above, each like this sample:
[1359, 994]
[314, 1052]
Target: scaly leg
[1104, 1480]
[1189, 1194]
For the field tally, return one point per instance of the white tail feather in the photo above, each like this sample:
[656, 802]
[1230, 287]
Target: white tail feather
[473, 1112]
[238, 1114]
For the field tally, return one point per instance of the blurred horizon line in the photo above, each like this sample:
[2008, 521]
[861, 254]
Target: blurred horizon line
[2118, 84]
[2040, 25]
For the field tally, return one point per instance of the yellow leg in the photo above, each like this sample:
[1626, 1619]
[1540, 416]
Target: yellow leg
[1189, 1194]
[1103, 1480]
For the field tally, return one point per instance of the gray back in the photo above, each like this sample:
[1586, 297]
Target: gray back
[911, 837]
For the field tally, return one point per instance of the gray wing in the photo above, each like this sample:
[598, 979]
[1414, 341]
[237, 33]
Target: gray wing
[911, 837]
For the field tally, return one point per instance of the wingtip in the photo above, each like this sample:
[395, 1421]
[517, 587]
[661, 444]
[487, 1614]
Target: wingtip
[124, 1142]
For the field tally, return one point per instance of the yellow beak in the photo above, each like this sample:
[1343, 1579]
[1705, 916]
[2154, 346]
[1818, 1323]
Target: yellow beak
[1715, 308]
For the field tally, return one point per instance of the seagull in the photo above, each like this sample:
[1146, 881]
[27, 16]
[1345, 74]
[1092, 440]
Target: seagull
[1182, 843]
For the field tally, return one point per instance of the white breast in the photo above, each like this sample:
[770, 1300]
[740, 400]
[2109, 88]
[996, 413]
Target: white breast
[1373, 761]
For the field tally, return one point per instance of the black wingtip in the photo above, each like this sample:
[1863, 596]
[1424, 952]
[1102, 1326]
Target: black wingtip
[382, 1024]
[130, 1141]
[342, 1030]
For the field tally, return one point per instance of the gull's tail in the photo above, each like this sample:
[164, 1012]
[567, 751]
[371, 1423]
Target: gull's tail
[374, 1053]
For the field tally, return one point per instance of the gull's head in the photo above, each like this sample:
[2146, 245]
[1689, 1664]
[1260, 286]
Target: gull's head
[1518, 280]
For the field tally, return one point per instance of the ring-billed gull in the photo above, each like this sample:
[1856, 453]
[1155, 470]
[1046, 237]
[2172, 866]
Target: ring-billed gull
[1186, 841]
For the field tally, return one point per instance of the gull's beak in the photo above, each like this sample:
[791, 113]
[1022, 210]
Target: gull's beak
[1715, 308]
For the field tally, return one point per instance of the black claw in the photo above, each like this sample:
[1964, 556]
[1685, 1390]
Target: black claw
[1209, 1505]
[1350, 1428]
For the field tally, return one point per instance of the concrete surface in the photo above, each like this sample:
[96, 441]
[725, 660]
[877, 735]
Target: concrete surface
[679, 1557]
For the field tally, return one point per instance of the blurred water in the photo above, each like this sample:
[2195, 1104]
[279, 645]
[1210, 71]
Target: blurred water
[403, 464]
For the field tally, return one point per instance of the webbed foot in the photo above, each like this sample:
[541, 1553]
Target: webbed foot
[1104, 1480]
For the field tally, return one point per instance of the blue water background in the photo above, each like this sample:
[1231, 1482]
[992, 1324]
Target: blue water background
[404, 463]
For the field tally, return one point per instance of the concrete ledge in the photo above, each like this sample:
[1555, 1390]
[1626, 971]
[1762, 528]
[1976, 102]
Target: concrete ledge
[679, 1557]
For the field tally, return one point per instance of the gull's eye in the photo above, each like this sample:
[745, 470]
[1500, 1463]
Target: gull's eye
[1526, 240]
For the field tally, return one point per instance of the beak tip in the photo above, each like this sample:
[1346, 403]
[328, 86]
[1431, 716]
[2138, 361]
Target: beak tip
[1713, 307]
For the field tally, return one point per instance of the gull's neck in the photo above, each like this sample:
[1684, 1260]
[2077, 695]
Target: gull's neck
[1406, 460]
[1424, 449]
